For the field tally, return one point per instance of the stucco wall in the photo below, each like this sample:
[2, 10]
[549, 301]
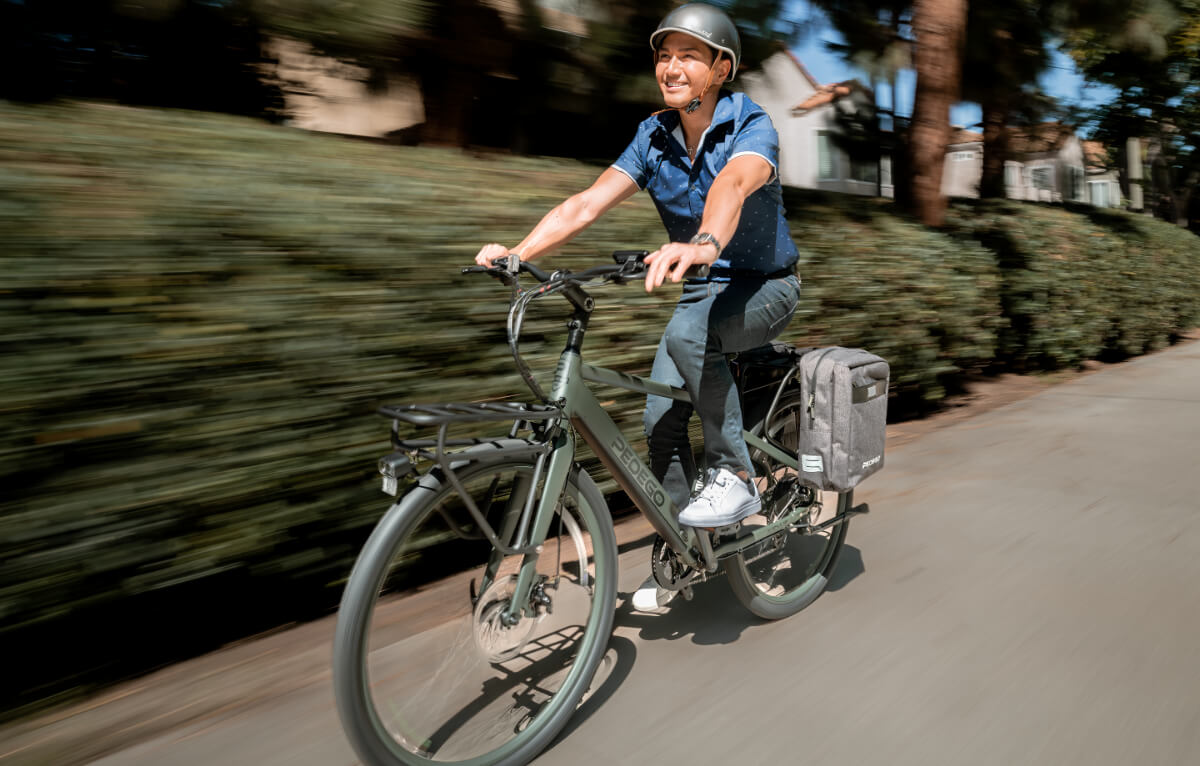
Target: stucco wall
[777, 88]
[327, 95]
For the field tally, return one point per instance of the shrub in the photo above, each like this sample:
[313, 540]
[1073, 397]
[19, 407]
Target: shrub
[1078, 284]
[201, 314]
[926, 302]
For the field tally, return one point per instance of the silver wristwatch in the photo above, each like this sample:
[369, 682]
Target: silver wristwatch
[704, 238]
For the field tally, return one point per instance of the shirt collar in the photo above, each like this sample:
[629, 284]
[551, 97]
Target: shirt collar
[726, 111]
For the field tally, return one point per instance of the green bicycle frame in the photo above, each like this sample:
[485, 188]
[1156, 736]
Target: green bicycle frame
[581, 407]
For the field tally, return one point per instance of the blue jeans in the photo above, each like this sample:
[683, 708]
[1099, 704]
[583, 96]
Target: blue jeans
[712, 319]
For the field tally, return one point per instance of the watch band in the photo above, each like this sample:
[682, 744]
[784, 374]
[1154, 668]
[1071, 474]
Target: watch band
[704, 238]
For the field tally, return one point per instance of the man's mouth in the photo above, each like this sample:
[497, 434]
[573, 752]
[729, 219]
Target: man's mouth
[675, 85]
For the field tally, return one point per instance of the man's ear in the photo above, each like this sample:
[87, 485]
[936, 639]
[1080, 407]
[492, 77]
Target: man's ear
[726, 67]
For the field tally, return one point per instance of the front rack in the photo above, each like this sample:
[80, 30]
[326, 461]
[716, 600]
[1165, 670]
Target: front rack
[462, 412]
[523, 415]
[541, 419]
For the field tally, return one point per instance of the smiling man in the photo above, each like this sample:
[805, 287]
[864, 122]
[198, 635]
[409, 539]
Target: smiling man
[709, 162]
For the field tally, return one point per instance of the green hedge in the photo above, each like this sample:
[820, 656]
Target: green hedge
[926, 302]
[1084, 283]
[200, 315]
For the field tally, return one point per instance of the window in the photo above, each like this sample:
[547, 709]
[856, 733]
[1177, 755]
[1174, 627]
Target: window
[1075, 176]
[1098, 191]
[1043, 178]
[826, 160]
[1012, 175]
[866, 170]
[885, 170]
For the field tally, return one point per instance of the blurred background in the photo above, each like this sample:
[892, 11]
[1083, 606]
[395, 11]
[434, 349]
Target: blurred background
[231, 229]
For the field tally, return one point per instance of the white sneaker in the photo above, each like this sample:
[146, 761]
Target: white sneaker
[652, 597]
[726, 499]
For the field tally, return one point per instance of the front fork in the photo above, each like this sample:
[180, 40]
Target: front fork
[527, 522]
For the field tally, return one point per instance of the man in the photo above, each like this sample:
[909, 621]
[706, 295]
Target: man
[709, 162]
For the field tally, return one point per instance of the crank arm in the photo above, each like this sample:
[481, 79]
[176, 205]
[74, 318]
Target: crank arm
[762, 533]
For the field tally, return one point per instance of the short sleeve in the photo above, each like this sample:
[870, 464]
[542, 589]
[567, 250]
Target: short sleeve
[632, 161]
[757, 136]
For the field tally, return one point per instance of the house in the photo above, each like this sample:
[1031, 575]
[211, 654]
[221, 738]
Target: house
[1046, 162]
[1103, 178]
[809, 118]
[324, 94]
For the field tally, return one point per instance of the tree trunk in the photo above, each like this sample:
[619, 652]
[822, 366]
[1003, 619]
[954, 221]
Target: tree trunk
[939, 27]
[995, 148]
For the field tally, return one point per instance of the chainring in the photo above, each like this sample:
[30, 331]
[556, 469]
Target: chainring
[669, 572]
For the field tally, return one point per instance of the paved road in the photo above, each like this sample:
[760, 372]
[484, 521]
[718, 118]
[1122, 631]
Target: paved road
[1025, 591]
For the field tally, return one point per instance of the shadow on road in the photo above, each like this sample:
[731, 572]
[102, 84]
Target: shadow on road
[849, 566]
[714, 615]
[614, 669]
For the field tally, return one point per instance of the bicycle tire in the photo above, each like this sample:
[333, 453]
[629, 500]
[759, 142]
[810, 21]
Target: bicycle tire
[379, 733]
[785, 573]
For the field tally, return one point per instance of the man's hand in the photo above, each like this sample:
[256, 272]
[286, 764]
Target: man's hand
[491, 252]
[674, 260]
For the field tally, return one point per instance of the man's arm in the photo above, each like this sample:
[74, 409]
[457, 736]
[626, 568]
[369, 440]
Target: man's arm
[740, 178]
[568, 218]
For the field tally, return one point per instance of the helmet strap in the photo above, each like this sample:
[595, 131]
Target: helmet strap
[694, 104]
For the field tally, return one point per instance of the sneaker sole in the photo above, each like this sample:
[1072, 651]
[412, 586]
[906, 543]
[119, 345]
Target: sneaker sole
[724, 521]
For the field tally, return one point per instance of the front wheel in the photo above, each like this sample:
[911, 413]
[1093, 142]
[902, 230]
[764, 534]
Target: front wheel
[786, 572]
[445, 672]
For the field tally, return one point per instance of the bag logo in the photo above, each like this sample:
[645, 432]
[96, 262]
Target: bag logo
[872, 461]
[812, 463]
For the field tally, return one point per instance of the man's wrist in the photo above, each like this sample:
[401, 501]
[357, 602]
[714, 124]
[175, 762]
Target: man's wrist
[704, 238]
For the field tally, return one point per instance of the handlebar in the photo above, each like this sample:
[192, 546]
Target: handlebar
[628, 265]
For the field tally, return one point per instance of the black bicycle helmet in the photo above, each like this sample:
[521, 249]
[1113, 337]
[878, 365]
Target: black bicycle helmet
[708, 24]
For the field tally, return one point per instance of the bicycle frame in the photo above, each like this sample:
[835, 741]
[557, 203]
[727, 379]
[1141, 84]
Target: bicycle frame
[581, 407]
[572, 399]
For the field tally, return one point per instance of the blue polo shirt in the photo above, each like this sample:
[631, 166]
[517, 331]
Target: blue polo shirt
[657, 161]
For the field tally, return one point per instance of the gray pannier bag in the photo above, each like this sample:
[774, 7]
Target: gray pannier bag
[844, 419]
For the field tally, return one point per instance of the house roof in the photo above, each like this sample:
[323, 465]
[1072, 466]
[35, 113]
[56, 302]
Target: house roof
[1035, 139]
[1095, 155]
[961, 136]
[826, 94]
[1046, 137]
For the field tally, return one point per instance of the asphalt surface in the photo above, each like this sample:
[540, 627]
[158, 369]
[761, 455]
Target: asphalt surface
[1024, 591]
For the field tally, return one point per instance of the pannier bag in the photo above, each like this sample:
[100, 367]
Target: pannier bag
[844, 418]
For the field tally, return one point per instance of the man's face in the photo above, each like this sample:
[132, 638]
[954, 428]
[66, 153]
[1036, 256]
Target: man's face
[682, 66]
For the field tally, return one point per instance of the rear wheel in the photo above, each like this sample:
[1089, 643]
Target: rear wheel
[786, 572]
[443, 673]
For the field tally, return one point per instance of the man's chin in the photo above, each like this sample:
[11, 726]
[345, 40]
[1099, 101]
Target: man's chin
[676, 100]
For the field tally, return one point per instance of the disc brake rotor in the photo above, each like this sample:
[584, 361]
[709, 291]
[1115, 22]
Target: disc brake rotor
[495, 640]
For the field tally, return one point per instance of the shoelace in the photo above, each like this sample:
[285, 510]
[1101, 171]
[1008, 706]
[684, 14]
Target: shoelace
[716, 488]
